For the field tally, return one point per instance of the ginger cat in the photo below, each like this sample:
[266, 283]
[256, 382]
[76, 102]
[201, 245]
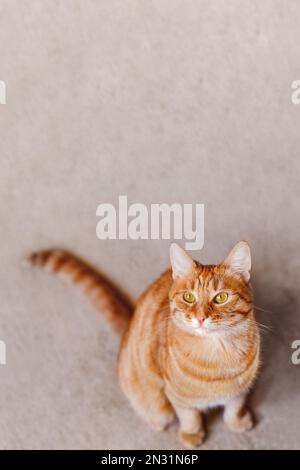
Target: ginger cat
[191, 343]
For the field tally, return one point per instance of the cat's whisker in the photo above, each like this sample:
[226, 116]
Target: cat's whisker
[262, 309]
[264, 328]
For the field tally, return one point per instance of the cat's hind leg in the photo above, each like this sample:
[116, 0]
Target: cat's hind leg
[148, 399]
[160, 416]
[153, 408]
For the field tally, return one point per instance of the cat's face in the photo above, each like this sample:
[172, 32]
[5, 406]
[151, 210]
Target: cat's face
[210, 299]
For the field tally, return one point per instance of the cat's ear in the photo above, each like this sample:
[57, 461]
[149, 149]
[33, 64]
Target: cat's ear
[182, 264]
[239, 260]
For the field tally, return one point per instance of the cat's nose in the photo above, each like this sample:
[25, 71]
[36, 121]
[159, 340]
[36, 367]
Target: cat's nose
[201, 320]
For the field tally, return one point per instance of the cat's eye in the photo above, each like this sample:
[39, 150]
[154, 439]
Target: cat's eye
[189, 297]
[221, 298]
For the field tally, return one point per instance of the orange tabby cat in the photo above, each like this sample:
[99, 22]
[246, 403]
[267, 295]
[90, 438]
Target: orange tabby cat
[192, 342]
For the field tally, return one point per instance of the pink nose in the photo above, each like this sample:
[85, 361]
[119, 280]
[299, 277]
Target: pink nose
[201, 320]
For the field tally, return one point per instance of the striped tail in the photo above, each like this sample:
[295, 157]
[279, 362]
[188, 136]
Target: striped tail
[102, 293]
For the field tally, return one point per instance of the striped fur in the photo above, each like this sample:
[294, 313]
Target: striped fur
[168, 363]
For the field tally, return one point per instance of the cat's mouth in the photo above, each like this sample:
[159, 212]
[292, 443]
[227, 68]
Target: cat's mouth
[192, 325]
[200, 327]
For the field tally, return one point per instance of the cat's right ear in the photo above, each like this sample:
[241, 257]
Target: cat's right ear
[182, 264]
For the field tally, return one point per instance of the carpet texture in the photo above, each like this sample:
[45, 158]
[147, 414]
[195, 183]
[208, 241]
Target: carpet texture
[164, 101]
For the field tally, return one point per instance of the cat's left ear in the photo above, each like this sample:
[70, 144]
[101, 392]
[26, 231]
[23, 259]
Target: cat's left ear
[239, 260]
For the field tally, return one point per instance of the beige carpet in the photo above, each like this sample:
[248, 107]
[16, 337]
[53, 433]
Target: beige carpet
[164, 101]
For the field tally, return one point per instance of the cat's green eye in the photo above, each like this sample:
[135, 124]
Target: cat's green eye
[189, 297]
[221, 298]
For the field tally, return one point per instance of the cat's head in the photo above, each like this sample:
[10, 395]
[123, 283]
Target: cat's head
[210, 299]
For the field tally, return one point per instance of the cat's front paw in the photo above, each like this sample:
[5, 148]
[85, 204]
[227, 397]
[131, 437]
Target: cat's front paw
[241, 423]
[192, 441]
